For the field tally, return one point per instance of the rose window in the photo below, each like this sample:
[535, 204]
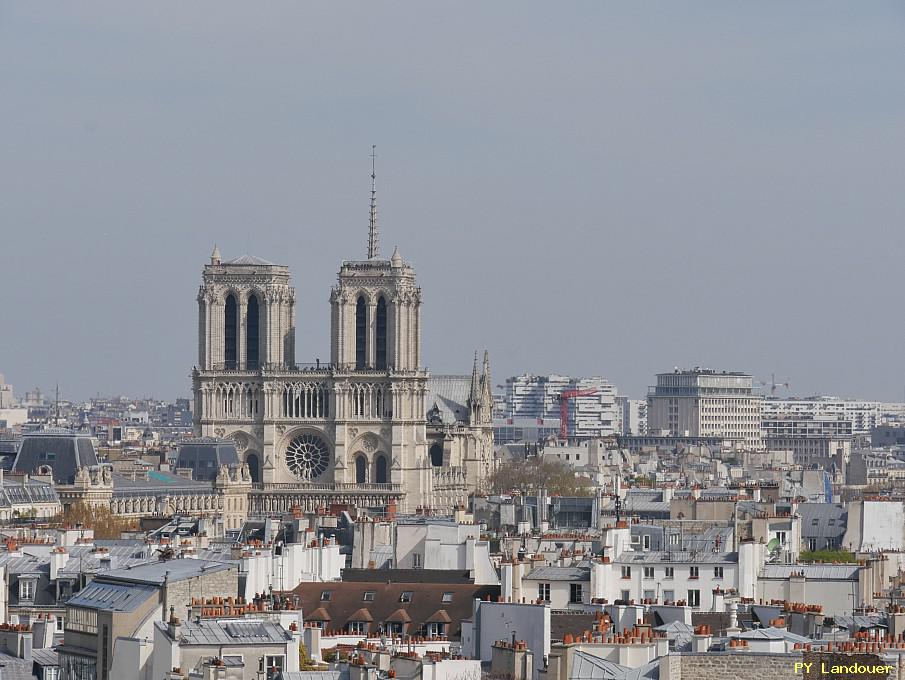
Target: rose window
[307, 456]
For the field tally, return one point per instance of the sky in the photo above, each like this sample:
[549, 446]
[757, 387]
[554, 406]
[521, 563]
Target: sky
[584, 188]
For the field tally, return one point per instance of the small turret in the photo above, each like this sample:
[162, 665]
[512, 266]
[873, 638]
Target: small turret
[215, 255]
[396, 260]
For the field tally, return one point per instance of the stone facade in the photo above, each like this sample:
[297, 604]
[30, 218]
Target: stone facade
[722, 665]
[352, 430]
[766, 666]
[227, 497]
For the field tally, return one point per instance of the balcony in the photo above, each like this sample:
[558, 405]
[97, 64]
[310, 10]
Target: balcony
[326, 487]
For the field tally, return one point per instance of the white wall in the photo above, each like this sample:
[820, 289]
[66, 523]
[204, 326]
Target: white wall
[494, 621]
[875, 525]
[132, 659]
[680, 583]
[298, 563]
[451, 669]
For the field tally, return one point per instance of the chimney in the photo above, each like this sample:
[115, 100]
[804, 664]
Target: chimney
[58, 559]
[719, 600]
[732, 608]
[702, 639]
[662, 643]
[173, 624]
[42, 631]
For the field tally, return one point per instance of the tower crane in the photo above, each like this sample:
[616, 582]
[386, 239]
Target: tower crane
[564, 398]
[773, 384]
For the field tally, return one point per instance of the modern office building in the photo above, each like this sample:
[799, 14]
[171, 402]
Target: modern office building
[705, 403]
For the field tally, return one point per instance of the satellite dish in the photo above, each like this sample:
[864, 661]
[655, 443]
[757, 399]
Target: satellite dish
[773, 545]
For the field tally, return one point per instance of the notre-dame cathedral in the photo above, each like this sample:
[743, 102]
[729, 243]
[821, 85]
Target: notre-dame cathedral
[370, 428]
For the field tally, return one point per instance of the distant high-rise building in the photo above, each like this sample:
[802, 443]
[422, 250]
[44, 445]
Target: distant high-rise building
[590, 415]
[706, 403]
[863, 415]
[7, 398]
[634, 416]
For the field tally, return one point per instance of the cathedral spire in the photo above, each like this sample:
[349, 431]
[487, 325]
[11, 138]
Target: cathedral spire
[373, 241]
[475, 392]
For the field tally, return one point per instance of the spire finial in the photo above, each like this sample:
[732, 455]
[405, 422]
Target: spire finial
[373, 242]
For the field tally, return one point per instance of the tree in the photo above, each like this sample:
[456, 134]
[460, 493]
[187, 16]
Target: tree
[533, 474]
[99, 518]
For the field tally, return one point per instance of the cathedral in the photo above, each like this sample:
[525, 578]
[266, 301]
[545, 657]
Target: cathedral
[370, 428]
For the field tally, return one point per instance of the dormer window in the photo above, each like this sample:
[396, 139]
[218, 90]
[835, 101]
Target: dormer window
[27, 589]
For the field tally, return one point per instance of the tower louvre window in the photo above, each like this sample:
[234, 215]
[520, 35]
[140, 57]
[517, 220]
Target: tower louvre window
[361, 333]
[230, 334]
[381, 333]
[252, 333]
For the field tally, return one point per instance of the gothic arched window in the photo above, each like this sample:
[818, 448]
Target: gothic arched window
[436, 454]
[360, 470]
[230, 332]
[254, 467]
[380, 470]
[361, 333]
[380, 334]
[252, 333]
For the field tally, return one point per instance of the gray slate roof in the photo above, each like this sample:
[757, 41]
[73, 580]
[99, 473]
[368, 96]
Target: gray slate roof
[823, 513]
[14, 668]
[450, 394]
[559, 574]
[771, 634]
[589, 667]
[232, 632]
[832, 572]
[112, 596]
[45, 657]
[155, 573]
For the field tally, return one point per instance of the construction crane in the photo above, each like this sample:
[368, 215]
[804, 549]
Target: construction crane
[564, 398]
[773, 384]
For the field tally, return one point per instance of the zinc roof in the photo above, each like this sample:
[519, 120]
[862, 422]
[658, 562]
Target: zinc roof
[112, 596]
[820, 571]
[232, 632]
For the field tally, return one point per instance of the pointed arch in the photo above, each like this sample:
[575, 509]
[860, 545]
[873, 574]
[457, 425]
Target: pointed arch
[361, 332]
[252, 332]
[380, 334]
[361, 470]
[254, 466]
[436, 454]
[380, 469]
[230, 331]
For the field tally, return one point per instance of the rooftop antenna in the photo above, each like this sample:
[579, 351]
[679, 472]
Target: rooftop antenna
[373, 242]
[57, 408]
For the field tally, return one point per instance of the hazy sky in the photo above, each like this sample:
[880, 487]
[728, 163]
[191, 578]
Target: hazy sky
[590, 188]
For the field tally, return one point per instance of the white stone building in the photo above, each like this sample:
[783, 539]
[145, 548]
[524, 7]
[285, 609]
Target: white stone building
[706, 403]
[424, 543]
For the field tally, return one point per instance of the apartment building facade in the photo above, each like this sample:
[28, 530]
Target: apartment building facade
[706, 403]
